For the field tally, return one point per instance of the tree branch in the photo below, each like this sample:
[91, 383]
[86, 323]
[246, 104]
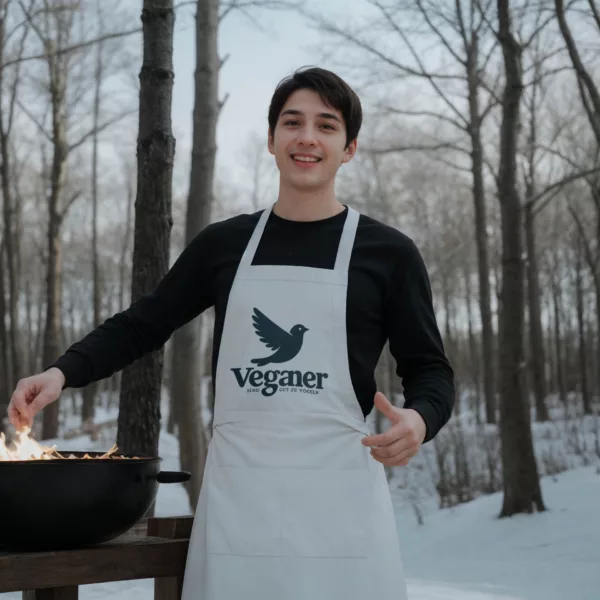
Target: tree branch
[68, 205]
[490, 166]
[329, 27]
[462, 61]
[244, 5]
[537, 31]
[40, 127]
[16, 81]
[99, 129]
[424, 113]
[450, 164]
[70, 49]
[32, 23]
[462, 29]
[555, 152]
[583, 77]
[595, 12]
[419, 62]
[558, 185]
[494, 101]
[418, 148]
[485, 19]
[591, 260]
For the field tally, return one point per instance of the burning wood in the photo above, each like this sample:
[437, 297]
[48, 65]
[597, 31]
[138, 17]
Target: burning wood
[26, 448]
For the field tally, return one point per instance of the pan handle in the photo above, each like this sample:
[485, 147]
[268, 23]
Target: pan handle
[173, 476]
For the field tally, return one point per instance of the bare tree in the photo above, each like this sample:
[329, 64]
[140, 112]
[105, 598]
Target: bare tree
[139, 407]
[589, 93]
[55, 27]
[10, 205]
[578, 284]
[522, 492]
[461, 32]
[186, 365]
[588, 89]
[186, 373]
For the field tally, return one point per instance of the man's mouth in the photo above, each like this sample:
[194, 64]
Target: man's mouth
[304, 158]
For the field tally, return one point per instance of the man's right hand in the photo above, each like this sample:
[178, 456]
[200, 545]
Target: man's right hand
[32, 394]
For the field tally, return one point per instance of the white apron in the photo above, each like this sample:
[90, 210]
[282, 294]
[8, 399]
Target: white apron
[292, 507]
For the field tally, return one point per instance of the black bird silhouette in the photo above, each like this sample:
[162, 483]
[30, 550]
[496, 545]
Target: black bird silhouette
[286, 345]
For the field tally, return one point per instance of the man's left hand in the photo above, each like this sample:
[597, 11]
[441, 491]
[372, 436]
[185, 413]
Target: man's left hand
[396, 446]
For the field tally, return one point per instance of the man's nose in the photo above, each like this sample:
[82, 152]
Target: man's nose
[306, 135]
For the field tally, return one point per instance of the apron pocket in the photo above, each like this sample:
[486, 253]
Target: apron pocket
[243, 511]
[325, 513]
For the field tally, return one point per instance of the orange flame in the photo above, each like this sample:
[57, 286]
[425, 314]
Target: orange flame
[24, 447]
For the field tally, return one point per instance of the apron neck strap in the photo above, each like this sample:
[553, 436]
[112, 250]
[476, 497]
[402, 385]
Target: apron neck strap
[342, 260]
[248, 255]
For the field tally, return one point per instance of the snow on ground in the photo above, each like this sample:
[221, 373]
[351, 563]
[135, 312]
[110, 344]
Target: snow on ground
[462, 553]
[553, 555]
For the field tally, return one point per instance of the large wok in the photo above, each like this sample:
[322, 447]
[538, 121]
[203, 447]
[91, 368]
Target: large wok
[76, 502]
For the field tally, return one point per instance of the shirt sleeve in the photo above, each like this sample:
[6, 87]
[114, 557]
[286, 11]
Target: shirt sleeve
[186, 291]
[416, 343]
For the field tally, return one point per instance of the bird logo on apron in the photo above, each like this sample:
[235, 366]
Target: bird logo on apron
[285, 346]
[292, 506]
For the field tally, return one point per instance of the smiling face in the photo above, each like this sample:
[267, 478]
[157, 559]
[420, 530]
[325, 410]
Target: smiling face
[309, 142]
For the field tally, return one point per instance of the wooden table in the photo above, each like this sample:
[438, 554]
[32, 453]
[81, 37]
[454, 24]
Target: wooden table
[155, 548]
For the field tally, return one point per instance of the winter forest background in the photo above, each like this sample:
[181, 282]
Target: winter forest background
[481, 141]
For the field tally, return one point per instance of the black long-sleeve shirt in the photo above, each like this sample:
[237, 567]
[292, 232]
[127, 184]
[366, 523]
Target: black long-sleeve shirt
[389, 297]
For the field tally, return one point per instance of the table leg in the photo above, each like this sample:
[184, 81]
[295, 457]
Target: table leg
[168, 588]
[70, 592]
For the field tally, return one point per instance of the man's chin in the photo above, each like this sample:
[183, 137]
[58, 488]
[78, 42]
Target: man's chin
[305, 184]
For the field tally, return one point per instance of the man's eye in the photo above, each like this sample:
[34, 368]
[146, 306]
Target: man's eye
[292, 122]
[329, 126]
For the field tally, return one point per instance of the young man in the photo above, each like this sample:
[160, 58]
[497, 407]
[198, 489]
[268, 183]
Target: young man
[294, 503]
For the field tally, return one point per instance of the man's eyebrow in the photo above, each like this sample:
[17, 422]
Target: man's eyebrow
[293, 111]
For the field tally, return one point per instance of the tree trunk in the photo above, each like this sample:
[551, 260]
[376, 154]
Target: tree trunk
[522, 491]
[126, 240]
[536, 339]
[591, 252]
[186, 366]
[29, 324]
[481, 237]
[579, 301]
[53, 327]
[473, 353]
[590, 95]
[596, 370]
[5, 389]
[560, 375]
[139, 406]
[10, 210]
[449, 340]
[90, 392]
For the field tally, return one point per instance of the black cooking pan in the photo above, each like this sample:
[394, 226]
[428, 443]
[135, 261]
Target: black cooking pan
[76, 502]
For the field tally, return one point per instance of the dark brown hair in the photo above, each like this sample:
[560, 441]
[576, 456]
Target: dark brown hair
[332, 89]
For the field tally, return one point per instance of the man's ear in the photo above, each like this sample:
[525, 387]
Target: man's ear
[350, 151]
[270, 142]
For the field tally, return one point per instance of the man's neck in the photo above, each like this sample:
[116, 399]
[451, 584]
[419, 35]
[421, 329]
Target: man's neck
[307, 206]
